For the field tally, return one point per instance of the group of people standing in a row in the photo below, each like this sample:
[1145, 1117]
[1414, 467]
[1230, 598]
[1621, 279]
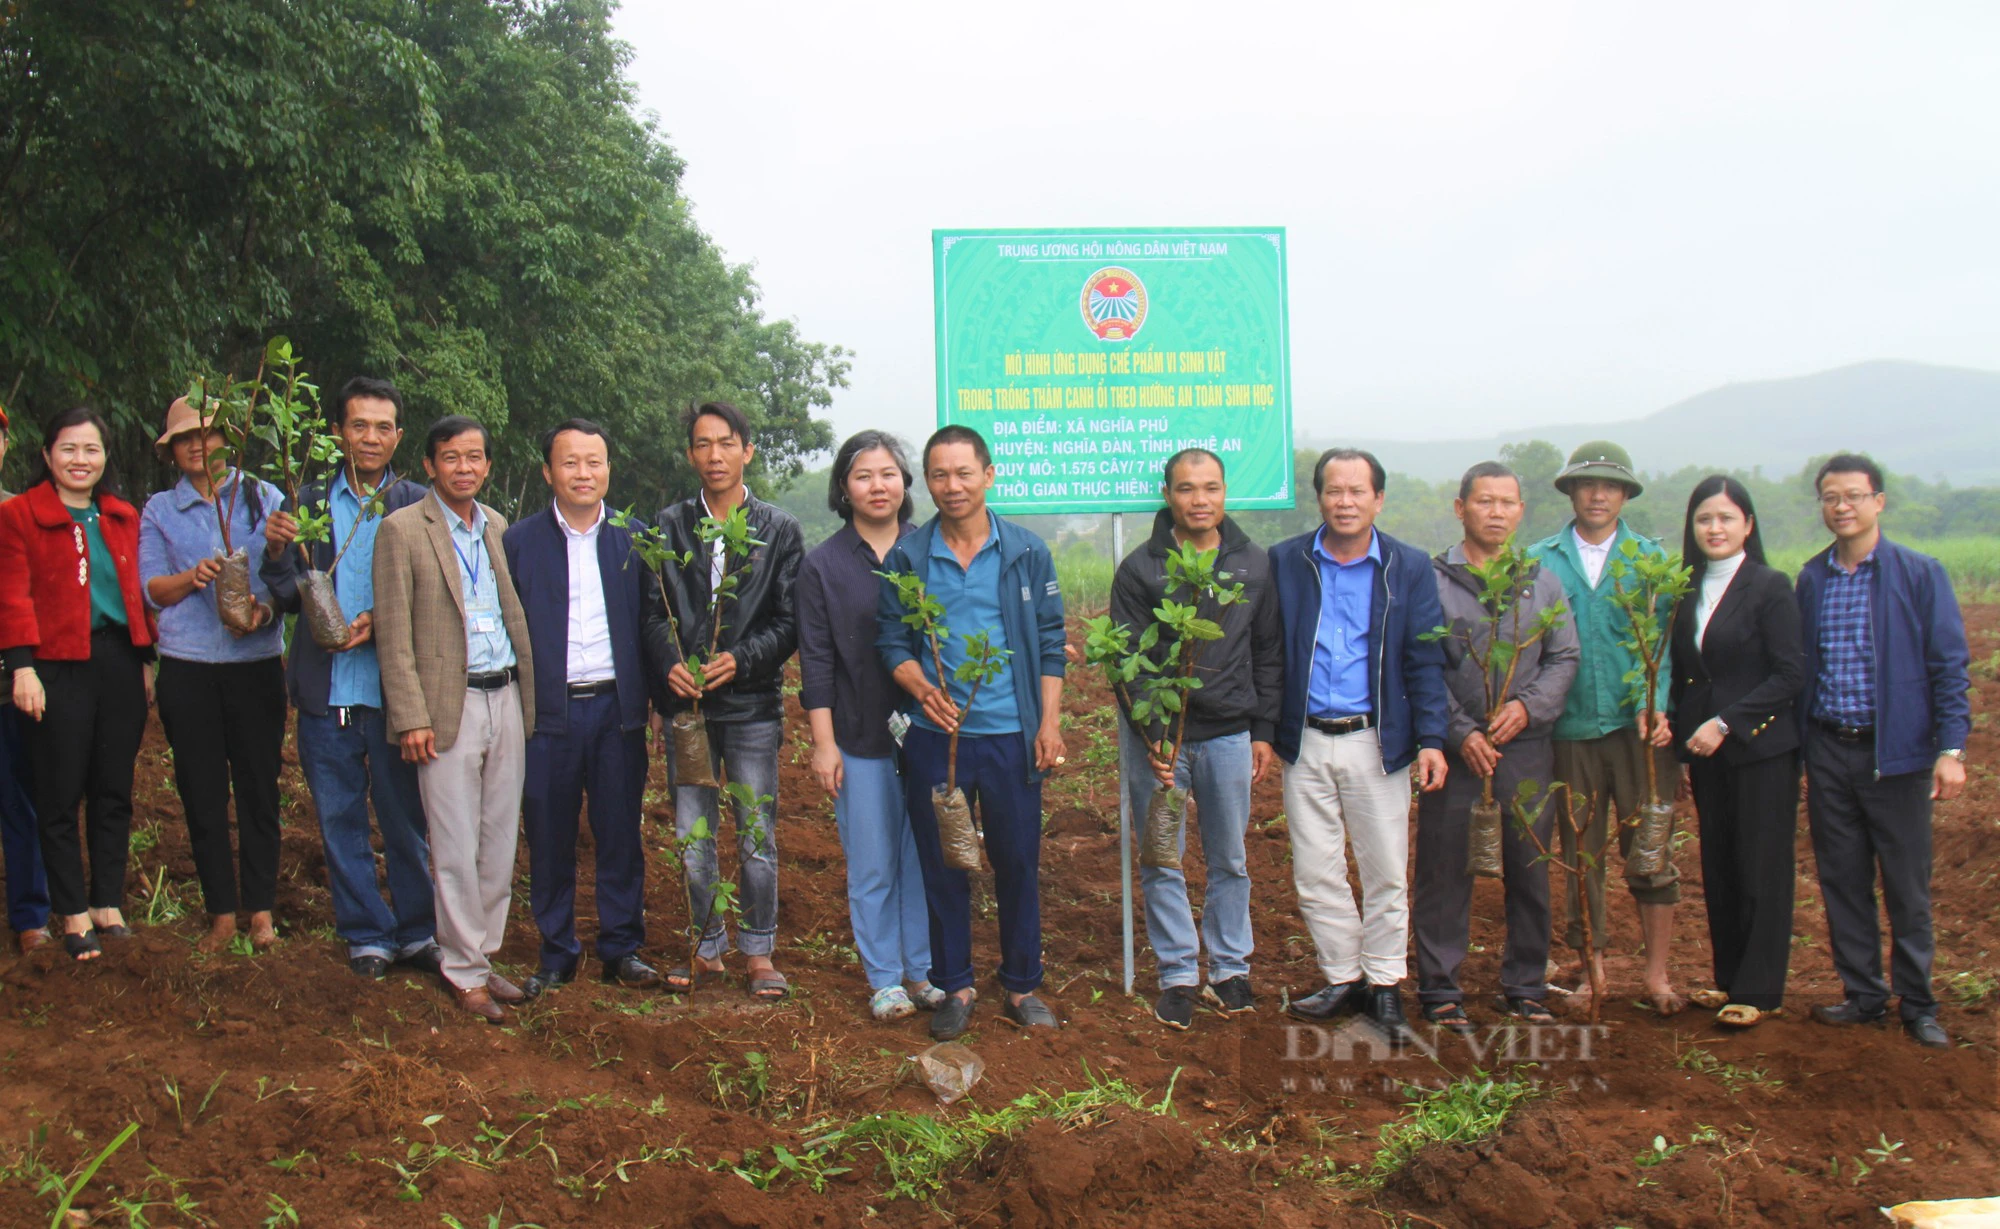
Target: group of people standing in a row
[495, 676]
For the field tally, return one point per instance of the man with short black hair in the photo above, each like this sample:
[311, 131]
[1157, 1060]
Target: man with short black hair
[740, 690]
[1226, 745]
[1511, 749]
[603, 641]
[1363, 700]
[991, 576]
[344, 744]
[454, 646]
[1885, 716]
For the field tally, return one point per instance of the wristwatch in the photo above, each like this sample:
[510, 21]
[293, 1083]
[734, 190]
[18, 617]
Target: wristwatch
[1957, 753]
[1723, 726]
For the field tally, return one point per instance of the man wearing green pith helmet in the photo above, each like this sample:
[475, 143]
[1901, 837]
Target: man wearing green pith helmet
[1604, 734]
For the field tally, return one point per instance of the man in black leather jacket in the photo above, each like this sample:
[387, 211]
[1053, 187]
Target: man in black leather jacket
[739, 694]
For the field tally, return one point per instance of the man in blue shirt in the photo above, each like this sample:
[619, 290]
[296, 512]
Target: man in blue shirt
[991, 576]
[344, 747]
[1885, 715]
[1355, 603]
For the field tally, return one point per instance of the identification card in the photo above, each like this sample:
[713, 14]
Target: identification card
[485, 624]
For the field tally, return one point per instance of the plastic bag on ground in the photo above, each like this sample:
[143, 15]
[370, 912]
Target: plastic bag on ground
[1946, 1213]
[692, 765]
[1165, 816]
[951, 1069]
[956, 832]
[319, 606]
[1653, 839]
[235, 604]
[1482, 841]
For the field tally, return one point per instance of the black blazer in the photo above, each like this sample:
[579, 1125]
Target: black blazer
[1749, 670]
[641, 639]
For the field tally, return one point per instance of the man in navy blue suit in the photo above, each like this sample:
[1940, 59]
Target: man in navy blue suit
[601, 635]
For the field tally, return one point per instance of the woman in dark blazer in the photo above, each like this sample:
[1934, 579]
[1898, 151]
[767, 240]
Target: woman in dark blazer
[1739, 663]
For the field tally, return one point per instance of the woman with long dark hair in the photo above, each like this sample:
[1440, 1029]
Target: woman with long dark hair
[1739, 662]
[849, 696]
[222, 690]
[77, 636]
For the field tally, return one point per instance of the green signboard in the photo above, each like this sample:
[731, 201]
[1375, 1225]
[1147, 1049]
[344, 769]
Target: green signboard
[1088, 357]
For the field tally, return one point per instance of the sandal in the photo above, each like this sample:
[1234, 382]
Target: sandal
[769, 986]
[1530, 1011]
[1708, 1000]
[83, 946]
[1449, 1016]
[1739, 1015]
[680, 978]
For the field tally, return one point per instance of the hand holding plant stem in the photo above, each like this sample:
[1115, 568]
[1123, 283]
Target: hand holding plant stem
[1648, 587]
[926, 614]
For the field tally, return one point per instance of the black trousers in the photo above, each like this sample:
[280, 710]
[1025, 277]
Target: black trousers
[84, 747]
[1860, 823]
[226, 723]
[1749, 818]
[1441, 897]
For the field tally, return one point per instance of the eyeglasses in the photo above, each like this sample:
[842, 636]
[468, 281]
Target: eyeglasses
[1836, 499]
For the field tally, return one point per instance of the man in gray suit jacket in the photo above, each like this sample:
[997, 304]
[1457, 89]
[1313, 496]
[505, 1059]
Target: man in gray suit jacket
[453, 644]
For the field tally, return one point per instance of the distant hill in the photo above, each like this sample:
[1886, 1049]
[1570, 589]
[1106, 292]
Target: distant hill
[1926, 421]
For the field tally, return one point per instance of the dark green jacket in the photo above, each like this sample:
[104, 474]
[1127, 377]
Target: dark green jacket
[1600, 700]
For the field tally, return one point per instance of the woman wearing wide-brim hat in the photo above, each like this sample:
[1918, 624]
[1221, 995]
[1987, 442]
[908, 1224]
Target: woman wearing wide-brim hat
[222, 691]
[77, 636]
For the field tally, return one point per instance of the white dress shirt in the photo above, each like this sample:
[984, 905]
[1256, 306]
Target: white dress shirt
[1594, 556]
[1715, 578]
[589, 628]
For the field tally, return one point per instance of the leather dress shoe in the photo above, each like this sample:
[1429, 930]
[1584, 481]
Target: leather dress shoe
[1927, 1032]
[429, 958]
[29, 940]
[1329, 1003]
[1847, 1011]
[1384, 1010]
[547, 979]
[631, 971]
[1030, 1012]
[368, 968]
[952, 1018]
[504, 991]
[481, 1004]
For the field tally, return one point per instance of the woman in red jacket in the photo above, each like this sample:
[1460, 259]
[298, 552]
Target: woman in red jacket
[74, 630]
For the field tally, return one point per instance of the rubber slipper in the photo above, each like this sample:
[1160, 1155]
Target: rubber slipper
[82, 946]
[679, 978]
[1530, 1011]
[1449, 1016]
[769, 987]
[1738, 1015]
[1710, 1000]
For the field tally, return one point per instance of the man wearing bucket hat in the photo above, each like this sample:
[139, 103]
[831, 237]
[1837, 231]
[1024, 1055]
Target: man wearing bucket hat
[20, 835]
[1603, 737]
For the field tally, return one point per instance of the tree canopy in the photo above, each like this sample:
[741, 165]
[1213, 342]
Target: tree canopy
[457, 195]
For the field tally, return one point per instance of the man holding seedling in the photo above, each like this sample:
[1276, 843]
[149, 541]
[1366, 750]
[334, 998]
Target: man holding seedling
[1886, 711]
[1225, 732]
[600, 635]
[454, 646]
[345, 748]
[738, 622]
[1364, 700]
[1503, 706]
[996, 583]
[1604, 736]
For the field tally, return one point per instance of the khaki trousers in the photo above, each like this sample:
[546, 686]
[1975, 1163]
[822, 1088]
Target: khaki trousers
[472, 798]
[1337, 795]
[1610, 773]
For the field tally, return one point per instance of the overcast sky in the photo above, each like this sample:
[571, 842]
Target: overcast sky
[1499, 215]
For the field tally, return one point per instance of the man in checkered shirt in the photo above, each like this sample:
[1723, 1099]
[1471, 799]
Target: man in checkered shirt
[1885, 713]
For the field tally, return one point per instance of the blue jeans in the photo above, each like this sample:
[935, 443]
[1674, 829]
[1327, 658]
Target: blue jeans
[598, 757]
[344, 766]
[885, 883]
[20, 835]
[745, 752]
[1217, 771]
[993, 772]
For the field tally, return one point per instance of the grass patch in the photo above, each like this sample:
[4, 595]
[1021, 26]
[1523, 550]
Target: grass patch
[1461, 1112]
[1734, 1079]
[918, 1153]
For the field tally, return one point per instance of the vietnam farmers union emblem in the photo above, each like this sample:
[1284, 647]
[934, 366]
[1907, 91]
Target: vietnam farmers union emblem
[1114, 304]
